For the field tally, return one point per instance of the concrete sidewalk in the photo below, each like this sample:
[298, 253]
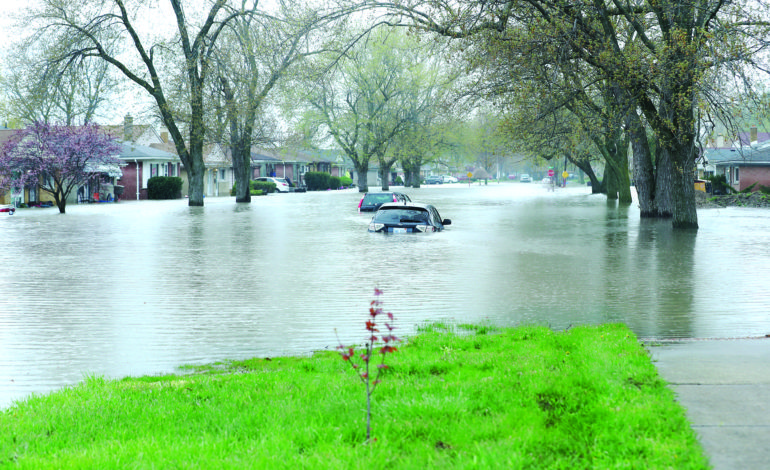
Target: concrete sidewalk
[724, 384]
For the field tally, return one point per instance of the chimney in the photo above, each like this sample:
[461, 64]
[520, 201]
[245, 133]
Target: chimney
[753, 134]
[128, 128]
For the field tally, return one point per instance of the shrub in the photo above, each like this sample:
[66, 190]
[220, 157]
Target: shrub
[164, 187]
[719, 185]
[335, 182]
[317, 180]
[346, 181]
[266, 187]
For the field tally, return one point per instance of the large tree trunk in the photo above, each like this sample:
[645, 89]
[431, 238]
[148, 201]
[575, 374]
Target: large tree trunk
[624, 184]
[242, 170]
[385, 174]
[644, 174]
[362, 169]
[685, 212]
[240, 145]
[585, 166]
[664, 183]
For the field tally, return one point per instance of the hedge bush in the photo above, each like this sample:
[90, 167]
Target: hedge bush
[266, 187]
[335, 182]
[164, 187]
[346, 181]
[317, 180]
[252, 191]
[719, 185]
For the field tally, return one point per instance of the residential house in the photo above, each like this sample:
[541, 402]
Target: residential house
[219, 176]
[293, 164]
[744, 162]
[142, 163]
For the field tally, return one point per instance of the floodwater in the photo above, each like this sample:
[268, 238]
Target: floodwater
[140, 288]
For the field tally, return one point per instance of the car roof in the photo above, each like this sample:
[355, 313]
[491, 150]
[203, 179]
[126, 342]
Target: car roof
[408, 205]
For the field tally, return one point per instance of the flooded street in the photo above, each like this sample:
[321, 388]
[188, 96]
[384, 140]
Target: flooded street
[141, 287]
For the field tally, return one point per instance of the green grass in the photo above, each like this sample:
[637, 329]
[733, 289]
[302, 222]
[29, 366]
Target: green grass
[483, 398]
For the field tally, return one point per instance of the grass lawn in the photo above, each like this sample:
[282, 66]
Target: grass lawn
[480, 397]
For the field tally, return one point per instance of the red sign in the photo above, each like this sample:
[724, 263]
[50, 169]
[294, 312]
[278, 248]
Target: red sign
[550, 172]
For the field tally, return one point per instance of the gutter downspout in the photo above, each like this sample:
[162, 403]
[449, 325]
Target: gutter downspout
[137, 179]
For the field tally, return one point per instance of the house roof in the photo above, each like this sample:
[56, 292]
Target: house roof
[131, 151]
[743, 156]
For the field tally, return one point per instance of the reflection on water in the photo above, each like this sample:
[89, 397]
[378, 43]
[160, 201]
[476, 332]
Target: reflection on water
[141, 287]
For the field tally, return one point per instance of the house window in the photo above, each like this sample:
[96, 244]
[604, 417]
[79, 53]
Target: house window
[737, 178]
[153, 169]
[223, 174]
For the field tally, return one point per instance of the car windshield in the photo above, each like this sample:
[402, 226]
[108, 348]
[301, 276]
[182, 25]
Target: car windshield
[378, 198]
[399, 215]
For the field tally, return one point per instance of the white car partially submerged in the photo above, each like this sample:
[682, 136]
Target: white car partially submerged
[449, 179]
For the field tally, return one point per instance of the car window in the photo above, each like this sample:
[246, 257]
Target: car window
[378, 198]
[436, 215]
[396, 215]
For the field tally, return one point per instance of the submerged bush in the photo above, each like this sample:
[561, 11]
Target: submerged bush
[317, 180]
[164, 187]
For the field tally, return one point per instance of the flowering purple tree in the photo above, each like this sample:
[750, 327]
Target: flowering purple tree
[57, 158]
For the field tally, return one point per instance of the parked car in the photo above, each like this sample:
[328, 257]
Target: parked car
[9, 209]
[525, 178]
[414, 217]
[372, 201]
[449, 179]
[547, 180]
[434, 180]
[281, 185]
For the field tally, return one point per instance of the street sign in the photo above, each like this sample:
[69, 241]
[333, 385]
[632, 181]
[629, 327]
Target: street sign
[550, 173]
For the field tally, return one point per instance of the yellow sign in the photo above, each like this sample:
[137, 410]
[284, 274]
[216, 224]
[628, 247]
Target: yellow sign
[470, 175]
[565, 175]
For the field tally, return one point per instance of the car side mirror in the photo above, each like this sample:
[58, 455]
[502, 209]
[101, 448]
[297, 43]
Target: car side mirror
[446, 222]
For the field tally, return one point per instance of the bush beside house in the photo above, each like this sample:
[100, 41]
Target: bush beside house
[164, 187]
[321, 181]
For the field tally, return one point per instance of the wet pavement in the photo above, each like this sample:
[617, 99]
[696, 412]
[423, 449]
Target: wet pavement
[724, 385]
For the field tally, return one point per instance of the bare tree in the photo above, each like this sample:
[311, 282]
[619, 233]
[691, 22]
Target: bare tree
[256, 53]
[40, 89]
[371, 96]
[112, 31]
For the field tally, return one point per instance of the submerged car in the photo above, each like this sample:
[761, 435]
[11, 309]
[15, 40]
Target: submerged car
[396, 217]
[372, 201]
[449, 179]
[525, 178]
[434, 180]
[8, 208]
